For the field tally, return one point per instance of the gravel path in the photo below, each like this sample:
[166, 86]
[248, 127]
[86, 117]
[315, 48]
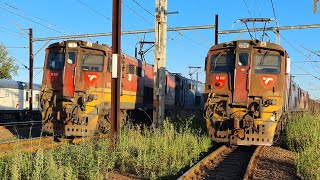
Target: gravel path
[276, 163]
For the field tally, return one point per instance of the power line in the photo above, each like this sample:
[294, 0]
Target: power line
[258, 8]
[270, 28]
[25, 66]
[306, 72]
[274, 13]
[301, 53]
[143, 8]
[102, 16]
[31, 20]
[180, 33]
[10, 30]
[94, 10]
[137, 13]
[310, 50]
[245, 3]
[124, 32]
[17, 9]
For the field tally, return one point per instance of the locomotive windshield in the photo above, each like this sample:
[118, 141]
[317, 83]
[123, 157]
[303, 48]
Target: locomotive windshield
[92, 62]
[267, 64]
[222, 62]
[55, 61]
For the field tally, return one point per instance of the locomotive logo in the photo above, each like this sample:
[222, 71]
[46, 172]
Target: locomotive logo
[92, 76]
[267, 80]
[220, 81]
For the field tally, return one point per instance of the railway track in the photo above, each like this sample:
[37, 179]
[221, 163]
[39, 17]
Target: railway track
[225, 163]
[20, 130]
[34, 144]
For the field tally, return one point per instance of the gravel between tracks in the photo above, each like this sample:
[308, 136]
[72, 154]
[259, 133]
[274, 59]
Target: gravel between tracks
[276, 163]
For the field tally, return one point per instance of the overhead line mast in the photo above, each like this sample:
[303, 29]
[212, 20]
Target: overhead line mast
[159, 69]
[116, 68]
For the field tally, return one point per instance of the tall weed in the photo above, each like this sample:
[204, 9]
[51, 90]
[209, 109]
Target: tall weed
[145, 152]
[303, 136]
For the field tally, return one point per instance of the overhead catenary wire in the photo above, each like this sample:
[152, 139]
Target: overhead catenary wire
[29, 14]
[258, 8]
[245, 3]
[23, 17]
[10, 30]
[92, 9]
[179, 32]
[299, 52]
[313, 52]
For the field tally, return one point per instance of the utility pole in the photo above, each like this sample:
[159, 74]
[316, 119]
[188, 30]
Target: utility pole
[315, 6]
[216, 29]
[116, 71]
[196, 68]
[159, 70]
[30, 74]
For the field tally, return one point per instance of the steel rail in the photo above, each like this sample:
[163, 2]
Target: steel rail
[197, 167]
[35, 144]
[202, 168]
[252, 163]
[20, 123]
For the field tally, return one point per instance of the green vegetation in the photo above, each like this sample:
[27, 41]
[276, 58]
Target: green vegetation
[7, 66]
[147, 153]
[303, 136]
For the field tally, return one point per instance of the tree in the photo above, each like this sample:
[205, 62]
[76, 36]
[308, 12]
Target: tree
[7, 66]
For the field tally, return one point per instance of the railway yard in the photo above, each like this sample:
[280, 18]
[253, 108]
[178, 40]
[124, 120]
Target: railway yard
[238, 107]
[216, 162]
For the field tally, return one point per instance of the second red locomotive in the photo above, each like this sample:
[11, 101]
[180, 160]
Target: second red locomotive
[76, 89]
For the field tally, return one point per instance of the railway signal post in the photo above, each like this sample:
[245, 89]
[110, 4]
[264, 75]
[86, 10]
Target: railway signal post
[160, 62]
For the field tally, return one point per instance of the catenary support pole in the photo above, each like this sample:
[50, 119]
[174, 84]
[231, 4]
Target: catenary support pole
[116, 68]
[30, 75]
[216, 35]
[160, 62]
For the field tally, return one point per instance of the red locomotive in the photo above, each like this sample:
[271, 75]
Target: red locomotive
[76, 89]
[248, 92]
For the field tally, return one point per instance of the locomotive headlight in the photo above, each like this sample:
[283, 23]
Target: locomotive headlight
[273, 117]
[243, 45]
[72, 45]
[273, 102]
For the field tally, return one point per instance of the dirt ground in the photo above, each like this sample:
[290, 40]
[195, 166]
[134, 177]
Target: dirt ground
[273, 163]
[276, 163]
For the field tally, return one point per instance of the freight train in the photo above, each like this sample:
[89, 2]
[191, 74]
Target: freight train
[249, 92]
[14, 101]
[76, 89]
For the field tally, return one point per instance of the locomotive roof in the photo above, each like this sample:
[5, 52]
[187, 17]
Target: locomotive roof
[255, 43]
[80, 43]
[17, 84]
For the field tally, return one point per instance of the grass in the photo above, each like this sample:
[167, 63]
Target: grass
[149, 153]
[303, 136]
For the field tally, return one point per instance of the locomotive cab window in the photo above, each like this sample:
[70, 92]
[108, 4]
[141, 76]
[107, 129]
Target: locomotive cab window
[71, 58]
[243, 59]
[55, 61]
[92, 62]
[222, 62]
[267, 64]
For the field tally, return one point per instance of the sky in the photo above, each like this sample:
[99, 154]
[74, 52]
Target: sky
[50, 18]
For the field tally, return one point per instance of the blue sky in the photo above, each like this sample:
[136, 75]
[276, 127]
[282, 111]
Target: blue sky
[67, 17]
